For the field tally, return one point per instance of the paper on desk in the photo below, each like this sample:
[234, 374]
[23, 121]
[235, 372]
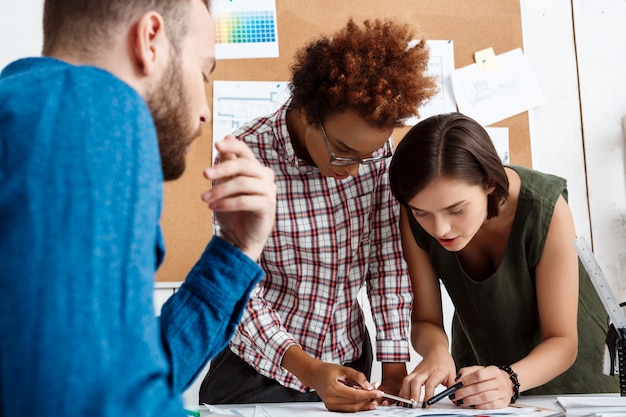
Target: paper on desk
[583, 403]
[443, 408]
[225, 411]
[489, 97]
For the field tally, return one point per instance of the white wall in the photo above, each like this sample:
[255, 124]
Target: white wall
[20, 29]
[602, 70]
[578, 133]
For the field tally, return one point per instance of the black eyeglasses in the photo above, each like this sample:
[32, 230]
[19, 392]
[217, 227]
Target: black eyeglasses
[340, 161]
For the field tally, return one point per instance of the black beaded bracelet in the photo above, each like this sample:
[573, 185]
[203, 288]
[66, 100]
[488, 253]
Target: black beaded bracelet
[514, 380]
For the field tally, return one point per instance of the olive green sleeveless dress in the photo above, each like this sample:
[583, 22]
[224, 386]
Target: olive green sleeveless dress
[496, 321]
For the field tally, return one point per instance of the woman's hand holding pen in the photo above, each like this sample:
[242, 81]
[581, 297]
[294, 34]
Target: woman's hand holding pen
[243, 197]
[484, 387]
[436, 368]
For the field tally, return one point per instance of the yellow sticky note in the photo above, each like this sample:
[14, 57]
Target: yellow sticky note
[486, 60]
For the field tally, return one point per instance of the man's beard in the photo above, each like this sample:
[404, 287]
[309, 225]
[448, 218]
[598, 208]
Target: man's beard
[170, 110]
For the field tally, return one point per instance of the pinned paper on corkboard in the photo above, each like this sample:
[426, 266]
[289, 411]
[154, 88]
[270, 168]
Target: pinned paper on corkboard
[492, 96]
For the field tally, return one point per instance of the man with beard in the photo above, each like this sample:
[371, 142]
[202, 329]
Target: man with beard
[80, 201]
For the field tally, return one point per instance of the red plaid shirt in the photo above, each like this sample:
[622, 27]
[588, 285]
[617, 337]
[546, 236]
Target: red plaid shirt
[331, 239]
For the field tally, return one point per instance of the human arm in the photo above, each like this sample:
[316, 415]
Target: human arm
[389, 290]
[273, 350]
[557, 302]
[201, 317]
[428, 336]
[393, 374]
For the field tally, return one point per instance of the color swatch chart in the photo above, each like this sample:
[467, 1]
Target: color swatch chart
[245, 27]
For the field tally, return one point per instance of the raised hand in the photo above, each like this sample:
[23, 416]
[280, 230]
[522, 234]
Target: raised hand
[243, 197]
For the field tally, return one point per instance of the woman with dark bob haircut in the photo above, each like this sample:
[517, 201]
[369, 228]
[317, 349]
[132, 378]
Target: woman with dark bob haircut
[499, 238]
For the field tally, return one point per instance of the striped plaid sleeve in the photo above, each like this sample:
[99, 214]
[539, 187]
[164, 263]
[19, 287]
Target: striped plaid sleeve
[389, 286]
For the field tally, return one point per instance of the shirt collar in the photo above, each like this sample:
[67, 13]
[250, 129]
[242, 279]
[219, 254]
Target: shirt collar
[284, 142]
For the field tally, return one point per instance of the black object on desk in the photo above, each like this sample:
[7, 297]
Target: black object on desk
[442, 395]
[621, 351]
[616, 335]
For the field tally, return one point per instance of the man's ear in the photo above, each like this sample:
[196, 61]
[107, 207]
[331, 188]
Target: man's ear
[150, 43]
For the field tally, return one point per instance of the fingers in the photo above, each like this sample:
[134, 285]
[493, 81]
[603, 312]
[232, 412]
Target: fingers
[352, 399]
[241, 182]
[483, 387]
[231, 148]
[235, 158]
[350, 391]
[355, 379]
[242, 193]
[243, 196]
[425, 378]
[412, 386]
[343, 405]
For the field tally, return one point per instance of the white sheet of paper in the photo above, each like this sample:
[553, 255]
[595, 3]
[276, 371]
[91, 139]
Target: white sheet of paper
[245, 28]
[442, 408]
[238, 102]
[225, 411]
[600, 404]
[441, 66]
[500, 138]
[495, 95]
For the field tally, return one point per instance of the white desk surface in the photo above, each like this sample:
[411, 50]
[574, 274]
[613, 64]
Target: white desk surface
[546, 406]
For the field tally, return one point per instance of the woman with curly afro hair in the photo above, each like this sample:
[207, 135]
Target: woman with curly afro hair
[302, 336]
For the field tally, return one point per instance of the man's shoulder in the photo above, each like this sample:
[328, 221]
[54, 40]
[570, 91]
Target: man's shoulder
[37, 84]
[84, 113]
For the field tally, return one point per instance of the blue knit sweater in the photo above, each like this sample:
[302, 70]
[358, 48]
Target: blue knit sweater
[80, 200]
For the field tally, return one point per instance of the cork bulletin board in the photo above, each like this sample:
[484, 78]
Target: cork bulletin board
[472, 25]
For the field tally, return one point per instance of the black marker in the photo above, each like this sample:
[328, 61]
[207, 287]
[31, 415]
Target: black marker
[442, 395]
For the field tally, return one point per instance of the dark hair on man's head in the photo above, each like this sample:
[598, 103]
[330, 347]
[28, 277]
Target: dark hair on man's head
[84, 26]
[452, 146]
[377, 71]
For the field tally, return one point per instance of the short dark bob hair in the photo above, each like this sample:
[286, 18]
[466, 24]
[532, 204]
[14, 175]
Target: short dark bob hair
[448, 145]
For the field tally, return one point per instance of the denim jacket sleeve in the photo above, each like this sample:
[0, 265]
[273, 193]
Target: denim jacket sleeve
[199, 319]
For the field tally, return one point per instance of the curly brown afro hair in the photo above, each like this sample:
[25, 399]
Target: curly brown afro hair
[377, 71]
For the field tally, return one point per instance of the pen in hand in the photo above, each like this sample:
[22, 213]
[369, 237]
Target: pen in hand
[442, 395]
[405, 402]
